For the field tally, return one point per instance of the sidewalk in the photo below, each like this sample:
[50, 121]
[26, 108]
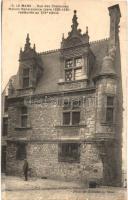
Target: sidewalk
[45, 189]
[10, 183]
[18, 183]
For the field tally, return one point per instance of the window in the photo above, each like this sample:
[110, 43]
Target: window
[25, 77]
[5, 126]
[26, 72]
[73, 69]
[69, 63]
[71, 113]
[69, 152]
[24, 116]
[21, 151]
[6, 104]
[110, 109]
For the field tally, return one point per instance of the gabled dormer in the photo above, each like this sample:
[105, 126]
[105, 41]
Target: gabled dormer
[77, 58]
[30, 66]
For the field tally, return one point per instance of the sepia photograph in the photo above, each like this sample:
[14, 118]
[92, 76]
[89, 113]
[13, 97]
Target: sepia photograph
[63, 100]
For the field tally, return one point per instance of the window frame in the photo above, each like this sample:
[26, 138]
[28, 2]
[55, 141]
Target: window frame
[73, 68]
[71, 109]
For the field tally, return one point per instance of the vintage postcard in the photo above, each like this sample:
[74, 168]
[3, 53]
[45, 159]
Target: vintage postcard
[64, 100]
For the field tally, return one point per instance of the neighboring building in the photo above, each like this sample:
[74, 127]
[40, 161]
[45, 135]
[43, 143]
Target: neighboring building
[65, 109]
[4, 123]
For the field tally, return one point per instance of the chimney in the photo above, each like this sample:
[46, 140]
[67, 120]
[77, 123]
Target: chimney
[114, 12]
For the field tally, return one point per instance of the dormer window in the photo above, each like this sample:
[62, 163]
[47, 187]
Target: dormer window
[73, 69]
[25, 77]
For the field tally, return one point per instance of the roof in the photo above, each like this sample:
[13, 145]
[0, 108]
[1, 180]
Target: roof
[52, 67]
[100, 50]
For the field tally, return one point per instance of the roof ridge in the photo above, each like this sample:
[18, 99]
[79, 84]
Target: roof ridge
[98, 41]
[55, 50]
[48, 51]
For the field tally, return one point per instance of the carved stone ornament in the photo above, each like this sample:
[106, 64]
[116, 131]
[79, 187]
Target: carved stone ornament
[75, 37]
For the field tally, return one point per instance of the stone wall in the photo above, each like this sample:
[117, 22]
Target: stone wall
[45, 121]
[45, 132]
[43, 160]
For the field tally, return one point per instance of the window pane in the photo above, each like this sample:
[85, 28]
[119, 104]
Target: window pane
[23, 121]
[69, 152]
[68, 75]
[25, 82]
[78, 62]
[24, 110]
[21, 152]
[66, 118]
[69, 63]
[110, 101]
[109, 115]
[26, 72]
[78, 74]
[75, 118]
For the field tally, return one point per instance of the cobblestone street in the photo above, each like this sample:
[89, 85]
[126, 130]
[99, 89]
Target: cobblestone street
[43, 189]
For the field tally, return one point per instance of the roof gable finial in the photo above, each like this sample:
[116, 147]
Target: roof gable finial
[28, 44]
[74, 21]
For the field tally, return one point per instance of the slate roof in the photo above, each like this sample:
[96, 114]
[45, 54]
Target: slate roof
[52, 67]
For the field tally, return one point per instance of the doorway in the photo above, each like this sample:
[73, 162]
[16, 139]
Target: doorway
[3, 159]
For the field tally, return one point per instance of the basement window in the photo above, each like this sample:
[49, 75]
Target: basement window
[69, 152]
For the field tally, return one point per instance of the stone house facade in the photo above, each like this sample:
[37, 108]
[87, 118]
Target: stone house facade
[65, 109]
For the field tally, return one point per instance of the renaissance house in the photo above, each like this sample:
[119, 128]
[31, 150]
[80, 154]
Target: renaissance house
[65, 108]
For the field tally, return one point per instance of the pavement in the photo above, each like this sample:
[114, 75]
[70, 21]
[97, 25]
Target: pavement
[15, 188]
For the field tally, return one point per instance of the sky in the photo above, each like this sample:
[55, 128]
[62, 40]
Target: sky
[46, 31]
